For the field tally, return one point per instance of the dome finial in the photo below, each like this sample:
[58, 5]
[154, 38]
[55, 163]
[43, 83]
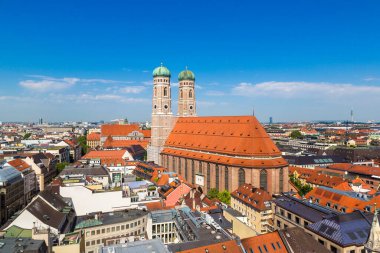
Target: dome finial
[186, 68]
[162, 64]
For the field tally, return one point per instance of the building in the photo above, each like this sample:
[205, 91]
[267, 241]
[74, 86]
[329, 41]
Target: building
[11, 192]
[29, 176]
[312, 161]
[211, 152]
[104, 229]
[74, 174]
[255, 204]
[93, 140]
[139, 246]
[25, 245]
[161, 224]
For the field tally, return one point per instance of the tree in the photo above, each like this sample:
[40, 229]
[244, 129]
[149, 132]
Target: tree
[225, 197]
[61, 166]
[82, 140]
[212, 193]
[26, 136]
[296, 134]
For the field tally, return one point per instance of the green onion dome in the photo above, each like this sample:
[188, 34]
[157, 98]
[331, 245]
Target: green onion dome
[186, 75]
[161, 71]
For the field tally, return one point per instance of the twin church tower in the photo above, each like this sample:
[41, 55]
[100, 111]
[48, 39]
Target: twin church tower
[163, 119]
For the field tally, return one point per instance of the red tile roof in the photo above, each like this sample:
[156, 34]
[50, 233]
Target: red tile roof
[221, 247]
[358, 169]
[101, 154]
[222, 139]
[253, 197]
[93, 137]
[111, 143]
[19, 164]
[270, 243]
[118, 130]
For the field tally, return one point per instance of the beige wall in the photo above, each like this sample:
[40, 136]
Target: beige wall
[238, 227]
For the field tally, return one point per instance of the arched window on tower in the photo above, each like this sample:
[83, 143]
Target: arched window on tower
[155, 91]
[190, 93]
[165, 92]
[226, 178]
[281, 180]
[241, 176]
[263, 179]
[181, 93]
[186, 170]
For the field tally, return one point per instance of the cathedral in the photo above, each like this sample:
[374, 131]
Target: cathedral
[219, 152]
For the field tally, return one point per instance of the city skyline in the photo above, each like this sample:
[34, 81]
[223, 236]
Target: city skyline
[81, 61]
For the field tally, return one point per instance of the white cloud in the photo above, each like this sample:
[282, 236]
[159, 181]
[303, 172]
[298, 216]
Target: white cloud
[42, 83]
[371, 78]
[304, 89]
[132, 89]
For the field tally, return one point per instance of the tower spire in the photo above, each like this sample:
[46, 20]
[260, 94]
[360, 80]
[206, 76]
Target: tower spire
[373, 243]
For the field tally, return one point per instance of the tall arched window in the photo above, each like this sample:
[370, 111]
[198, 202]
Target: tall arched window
[217, 177]
[173, 164]
[155, 91]
[165, 91]
[241, 176]
[281, 179]
[181, 93]
[190, 93]
[208, 177]
[200, 168]
[226, 178]
[192, 172]
[186, 170]
[263, 179]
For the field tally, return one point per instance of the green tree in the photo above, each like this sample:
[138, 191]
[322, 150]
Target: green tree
[82, 140]
[61, 166]
[296, 134]
[213, 193]
[26, 136]
[225, 197]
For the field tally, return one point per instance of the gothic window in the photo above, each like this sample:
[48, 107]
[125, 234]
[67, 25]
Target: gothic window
[200, 168]
[167, 162]
[192, 172]
[281, 181]
[226, 178]
[181, 93]
[186, 170]
[165, 92]
[208, 177]
[217, 177]
[241, 176]
[190, 93]
[155, 91]
[263, 179]
[173, 165]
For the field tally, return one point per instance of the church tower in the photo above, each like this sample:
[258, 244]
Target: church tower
[373, 243]
[186, 95]
[162, 116]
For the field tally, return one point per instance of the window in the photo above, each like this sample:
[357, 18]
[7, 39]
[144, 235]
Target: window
[333, 249]
[155, 91]
[297, 220]
[200, 168]
[103, 230]
[190, 93]
[186, 170]
[278, 224]
[321, 241]
[305, 223]
[87, 243]
[208, 177]
[98, 241]
[281, 180]
[289, 216]
[113, 229]
[165, 92]
[192, 172]
[181, 93]
[93, 232]
[226, 178]
[241, 176]
[263, 179]
[217, 177]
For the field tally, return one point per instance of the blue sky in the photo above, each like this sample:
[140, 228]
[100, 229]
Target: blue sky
[92, 60]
